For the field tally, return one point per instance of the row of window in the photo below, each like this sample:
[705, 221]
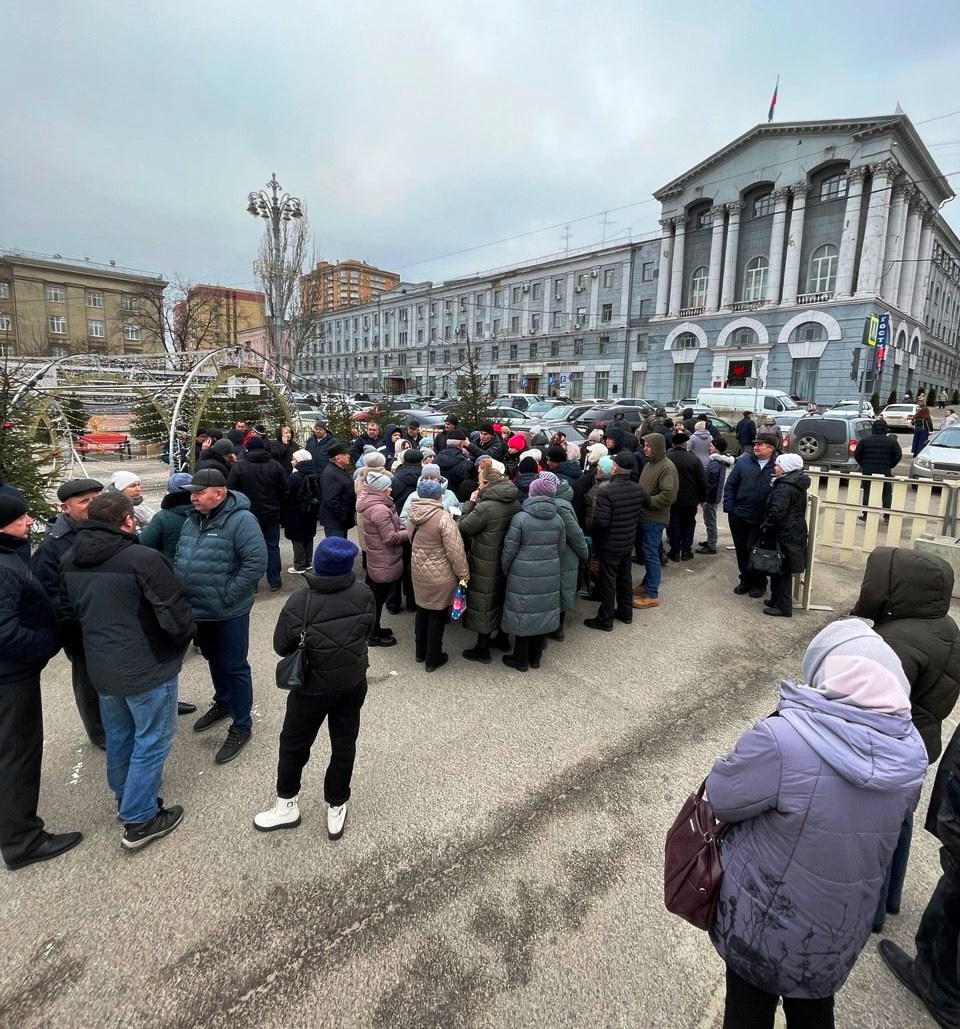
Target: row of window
[808, 332]
[96, 328]
[58, 295]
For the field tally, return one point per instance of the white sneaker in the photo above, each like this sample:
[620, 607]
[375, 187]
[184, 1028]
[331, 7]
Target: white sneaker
[336, 816]
[296, 571]
[285, 814]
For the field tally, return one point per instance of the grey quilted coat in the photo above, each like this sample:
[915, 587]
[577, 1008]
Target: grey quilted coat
[437, 558]
[485, 524]
[575, 549]
[532, 550]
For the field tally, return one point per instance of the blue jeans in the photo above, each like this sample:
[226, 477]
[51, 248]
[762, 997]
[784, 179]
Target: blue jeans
[224, 645]
[271, 536]
[650, 535]
[139, 728]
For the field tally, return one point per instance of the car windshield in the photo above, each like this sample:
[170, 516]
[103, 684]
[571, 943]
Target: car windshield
[542, 407]
[947, 438]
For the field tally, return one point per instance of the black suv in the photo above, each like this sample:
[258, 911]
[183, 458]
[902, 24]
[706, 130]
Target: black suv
[602, 417]
[829, 440]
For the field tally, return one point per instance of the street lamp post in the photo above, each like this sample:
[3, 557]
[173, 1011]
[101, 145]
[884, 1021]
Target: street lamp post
[279, 209]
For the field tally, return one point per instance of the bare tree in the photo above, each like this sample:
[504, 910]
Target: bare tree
[186, 317]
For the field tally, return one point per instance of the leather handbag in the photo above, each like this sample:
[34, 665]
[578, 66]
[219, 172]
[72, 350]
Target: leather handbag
[292, 670]
[692, 872]
[765, 558]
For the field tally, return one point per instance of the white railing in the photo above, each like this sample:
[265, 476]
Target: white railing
[690, 312]
[815, 298]
[748, 305]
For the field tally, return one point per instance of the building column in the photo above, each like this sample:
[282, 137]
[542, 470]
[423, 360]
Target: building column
[774, 277]
[924, 267]
[875, 232]
[911, 252]
[676, 272]
[851, 230]
[896, 231]
[791, 271]
[716, 258]
[730, 256]
[663, 278]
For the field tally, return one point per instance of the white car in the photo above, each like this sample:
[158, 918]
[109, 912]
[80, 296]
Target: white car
[899, 416]
[861, 407]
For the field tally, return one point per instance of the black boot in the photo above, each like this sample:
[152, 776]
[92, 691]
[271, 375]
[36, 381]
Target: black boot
[481, 652]
[557, 633]
[501, 641]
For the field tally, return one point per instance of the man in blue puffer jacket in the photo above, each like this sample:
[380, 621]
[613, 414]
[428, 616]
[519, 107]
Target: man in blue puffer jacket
[220, 558]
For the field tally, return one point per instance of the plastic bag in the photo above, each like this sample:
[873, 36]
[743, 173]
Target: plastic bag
[459, 604]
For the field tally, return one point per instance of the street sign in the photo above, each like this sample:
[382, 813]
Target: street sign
[549, 380]
[523, 382]
[563, 379]
[883, 341]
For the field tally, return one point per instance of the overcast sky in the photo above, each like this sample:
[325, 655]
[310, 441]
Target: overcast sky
[413, 131]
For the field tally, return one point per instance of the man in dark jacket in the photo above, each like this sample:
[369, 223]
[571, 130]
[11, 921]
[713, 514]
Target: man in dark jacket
[878, 454]
[450, 424]
[221, 455]
[75, 497]
[746, 432]
[934, 975]
[691, 493]
[220, 558]
[262, 480]
[319, 445]
[616, 511]
[28, 639]
[370, 438]
[338, 495]
[561, 465]
[489, 444]
[452, 461]
[136, 624]
[744, 502]
[907, 594]
[339, 614]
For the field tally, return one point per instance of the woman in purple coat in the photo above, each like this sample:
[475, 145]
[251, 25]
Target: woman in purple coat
[816, 796]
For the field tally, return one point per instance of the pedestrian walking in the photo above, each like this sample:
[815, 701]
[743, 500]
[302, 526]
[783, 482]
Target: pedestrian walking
[28, 640]
[136, 624]
[437, 563]
[942, 398]
[220, 559]
[816, 797]
[746, 432]
[922, 427]
[335, 613]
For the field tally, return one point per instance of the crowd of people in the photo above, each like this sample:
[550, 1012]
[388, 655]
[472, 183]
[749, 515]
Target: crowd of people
[524, 525]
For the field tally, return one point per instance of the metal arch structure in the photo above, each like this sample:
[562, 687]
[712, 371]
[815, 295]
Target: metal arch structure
[271, 376]
[149, 376]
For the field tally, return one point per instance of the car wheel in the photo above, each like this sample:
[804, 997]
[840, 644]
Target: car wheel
[811, 447]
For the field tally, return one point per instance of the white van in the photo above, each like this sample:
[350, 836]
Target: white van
[730, 403]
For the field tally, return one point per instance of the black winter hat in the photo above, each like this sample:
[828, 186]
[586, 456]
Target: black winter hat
[456, 434]
[224, 447]
[11, 508]
[528, 464]
[557, 454]
[412, 456]
[255, 443]
[624, 460]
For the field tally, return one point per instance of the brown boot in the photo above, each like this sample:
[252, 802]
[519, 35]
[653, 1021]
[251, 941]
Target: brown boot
[645, 601]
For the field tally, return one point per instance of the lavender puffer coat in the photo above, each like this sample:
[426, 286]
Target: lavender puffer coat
[818, 795]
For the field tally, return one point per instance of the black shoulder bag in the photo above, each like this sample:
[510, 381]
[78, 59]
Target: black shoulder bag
[292, 669]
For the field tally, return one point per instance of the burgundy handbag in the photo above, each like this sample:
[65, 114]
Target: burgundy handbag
[691, 868]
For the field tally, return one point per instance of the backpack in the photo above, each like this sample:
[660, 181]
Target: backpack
[308, 495]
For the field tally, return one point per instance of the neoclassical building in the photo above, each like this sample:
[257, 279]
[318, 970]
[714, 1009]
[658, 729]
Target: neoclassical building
[776, 248]
[773, 252]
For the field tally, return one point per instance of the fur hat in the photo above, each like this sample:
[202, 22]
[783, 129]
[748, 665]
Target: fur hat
[334, 555]
[680, 439]
[594, 452]
[336, 449]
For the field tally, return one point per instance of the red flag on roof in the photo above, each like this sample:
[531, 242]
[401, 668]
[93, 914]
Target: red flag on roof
[773, 100]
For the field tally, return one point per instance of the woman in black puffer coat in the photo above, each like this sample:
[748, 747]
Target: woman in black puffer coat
[785, 525]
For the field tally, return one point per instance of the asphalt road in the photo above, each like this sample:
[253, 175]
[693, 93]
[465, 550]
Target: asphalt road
[502, 860]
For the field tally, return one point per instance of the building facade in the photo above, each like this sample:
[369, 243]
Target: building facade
[350, 283]
[773, 252]
[209, 317]
[53, 308]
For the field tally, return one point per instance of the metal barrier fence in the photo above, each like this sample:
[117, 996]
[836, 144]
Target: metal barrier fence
[844, 530]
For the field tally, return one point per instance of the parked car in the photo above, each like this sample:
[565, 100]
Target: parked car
[829, 440]
[507, 415]
[521, 401]
[899, 416]
[543, 407]
[636, 402]
[940, 458]
[850, 407]
[573, 434]
[600, 417]
[567, 412]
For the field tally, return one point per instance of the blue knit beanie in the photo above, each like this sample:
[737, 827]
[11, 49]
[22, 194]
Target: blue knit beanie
[334, 556]
[429, 488]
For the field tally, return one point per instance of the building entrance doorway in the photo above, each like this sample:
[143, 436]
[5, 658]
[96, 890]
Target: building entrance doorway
[533, 384]
[738, 371]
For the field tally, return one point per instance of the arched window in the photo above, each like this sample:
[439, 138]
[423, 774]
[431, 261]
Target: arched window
[755, 279]
[823, 269]
[743, 337]
[698, 286]
[809, 332]
[833, 187]
[686, 341]
[763, 205]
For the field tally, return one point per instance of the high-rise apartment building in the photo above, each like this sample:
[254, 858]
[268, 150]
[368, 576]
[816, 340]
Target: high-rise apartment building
[53, 308]
[349, 283]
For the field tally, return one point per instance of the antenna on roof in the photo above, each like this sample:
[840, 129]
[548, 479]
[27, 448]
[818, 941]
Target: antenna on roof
[898, 109]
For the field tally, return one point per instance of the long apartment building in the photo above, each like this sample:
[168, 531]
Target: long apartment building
[53, 308]
[772, 253]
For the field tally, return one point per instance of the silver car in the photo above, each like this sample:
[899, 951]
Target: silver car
[940, 458]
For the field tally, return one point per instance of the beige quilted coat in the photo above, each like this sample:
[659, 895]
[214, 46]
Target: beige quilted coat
[438, 559]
